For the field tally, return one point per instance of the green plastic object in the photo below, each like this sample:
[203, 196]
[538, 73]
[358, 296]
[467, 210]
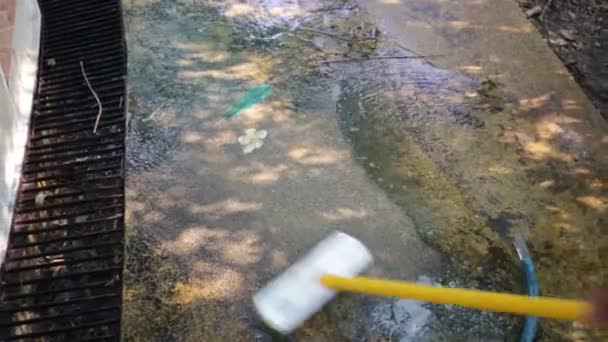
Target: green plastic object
[251, 97]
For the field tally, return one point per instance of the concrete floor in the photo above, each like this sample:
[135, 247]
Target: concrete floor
[208, 224]
[541, 154]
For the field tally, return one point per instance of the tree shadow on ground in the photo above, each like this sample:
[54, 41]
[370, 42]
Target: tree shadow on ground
[208, 225]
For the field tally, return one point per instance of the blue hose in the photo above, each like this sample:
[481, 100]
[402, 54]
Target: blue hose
[531, 324]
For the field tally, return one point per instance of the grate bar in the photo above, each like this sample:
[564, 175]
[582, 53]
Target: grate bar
[60, 264]
[73, 275]
[62, 251]
[79, 143]
[61, 316]
[32, 231]
[69, 238]
[73, 328]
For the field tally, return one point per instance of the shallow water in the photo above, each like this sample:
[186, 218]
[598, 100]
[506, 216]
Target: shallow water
[425, 164]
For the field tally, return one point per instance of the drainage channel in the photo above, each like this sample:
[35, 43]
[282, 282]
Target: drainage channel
[62, 276]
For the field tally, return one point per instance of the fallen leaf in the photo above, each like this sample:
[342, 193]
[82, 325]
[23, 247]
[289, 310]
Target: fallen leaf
[567, 34]
[557, 41]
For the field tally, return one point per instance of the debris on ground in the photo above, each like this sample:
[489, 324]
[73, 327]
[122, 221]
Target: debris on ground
[40, 197]
[576, 31]
[533, 12]
[252, 139]
[252, 97]
[398, 137]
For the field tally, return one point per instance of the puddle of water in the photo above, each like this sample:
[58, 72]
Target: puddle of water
[398, 163]
[456, 178]
[384, 150]
[150, 140]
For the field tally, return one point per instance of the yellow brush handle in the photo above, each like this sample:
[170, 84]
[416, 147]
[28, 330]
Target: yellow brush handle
[503, 302]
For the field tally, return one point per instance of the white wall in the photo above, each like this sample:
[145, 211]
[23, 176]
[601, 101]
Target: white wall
[15, 108]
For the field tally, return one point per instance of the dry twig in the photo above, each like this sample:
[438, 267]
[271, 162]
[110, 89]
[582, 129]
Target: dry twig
[348, 60]
[336, 8]
[303, 39]
[84, 73]
[309, 29]
[547, 5]
[402, 47]
[151, 116]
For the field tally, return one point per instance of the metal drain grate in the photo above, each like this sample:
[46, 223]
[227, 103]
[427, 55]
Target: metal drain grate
[62, 276]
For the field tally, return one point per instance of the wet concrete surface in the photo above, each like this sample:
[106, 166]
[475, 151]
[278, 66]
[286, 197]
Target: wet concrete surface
[228, 221]
[404, 154]
[539, 157]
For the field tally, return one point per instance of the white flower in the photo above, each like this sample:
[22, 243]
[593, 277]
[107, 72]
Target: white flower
[252, 140]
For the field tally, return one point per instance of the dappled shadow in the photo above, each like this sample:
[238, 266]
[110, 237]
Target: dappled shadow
[530, 162]
[456, 152]
[562, 156]
[536, 161]
[541, 153]
[220, 223]
[537, 158]
[482, 38]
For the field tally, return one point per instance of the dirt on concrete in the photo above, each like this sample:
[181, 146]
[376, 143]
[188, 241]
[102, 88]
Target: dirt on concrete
[577, 30]
[489, 133]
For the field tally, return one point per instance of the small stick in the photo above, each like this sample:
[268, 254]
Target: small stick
[84, 73]
[120, 104]
[401, 46]
[347, 60]
[542, 13]
[303, 39]
[219, 122]
[324, 33]
[329, 9]
[152, 115]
